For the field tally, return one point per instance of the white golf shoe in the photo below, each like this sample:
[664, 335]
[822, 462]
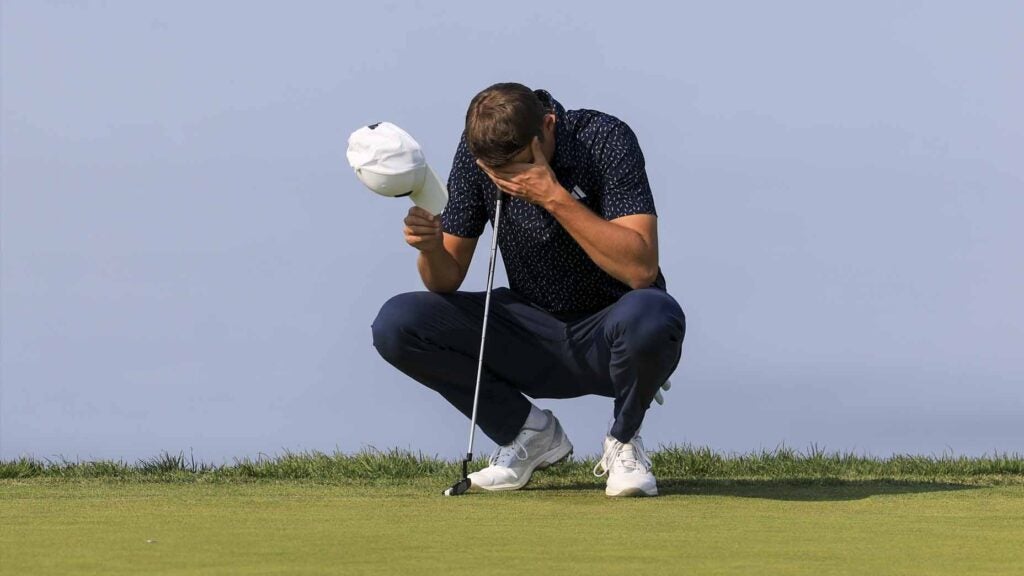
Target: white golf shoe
[512, 465]
[628, 468]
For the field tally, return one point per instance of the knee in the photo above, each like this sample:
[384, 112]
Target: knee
[395, 323]
[648, 321]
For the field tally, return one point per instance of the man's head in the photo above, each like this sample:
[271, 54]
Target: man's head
[501, 122]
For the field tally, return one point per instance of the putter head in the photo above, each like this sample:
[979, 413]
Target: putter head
[459, 488]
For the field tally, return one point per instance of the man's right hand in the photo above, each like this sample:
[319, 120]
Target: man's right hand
[423, 230]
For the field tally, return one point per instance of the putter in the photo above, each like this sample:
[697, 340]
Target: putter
[463, 485]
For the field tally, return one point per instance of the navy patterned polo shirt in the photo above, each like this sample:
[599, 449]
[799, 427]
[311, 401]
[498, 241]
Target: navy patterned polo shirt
[598, 160]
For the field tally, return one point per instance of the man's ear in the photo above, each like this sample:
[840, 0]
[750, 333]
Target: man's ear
[549, 123]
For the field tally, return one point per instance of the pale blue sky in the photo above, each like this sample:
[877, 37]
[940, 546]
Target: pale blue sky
[189, 263]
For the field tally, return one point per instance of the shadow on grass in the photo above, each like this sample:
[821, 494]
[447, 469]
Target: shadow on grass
[824, 490]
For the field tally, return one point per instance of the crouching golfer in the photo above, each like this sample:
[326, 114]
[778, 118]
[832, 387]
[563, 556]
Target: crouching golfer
[586, 311]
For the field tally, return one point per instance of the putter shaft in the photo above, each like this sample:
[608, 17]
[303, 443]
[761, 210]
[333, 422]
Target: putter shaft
[463, 484]
[483, 332]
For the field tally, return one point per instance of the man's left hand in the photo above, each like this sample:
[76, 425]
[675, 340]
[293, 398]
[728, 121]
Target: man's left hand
[536, 183]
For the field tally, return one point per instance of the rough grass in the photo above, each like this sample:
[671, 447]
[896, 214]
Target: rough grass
[671, 463]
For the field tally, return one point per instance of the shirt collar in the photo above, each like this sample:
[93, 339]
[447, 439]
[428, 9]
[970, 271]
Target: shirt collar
[563, 157]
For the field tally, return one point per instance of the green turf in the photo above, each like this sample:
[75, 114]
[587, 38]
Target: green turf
[382, 513]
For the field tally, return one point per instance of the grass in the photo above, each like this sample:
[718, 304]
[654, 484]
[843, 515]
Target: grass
[671, 463]
[773, 512]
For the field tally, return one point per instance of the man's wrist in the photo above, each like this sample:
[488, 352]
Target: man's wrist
[433, 250]
[558, 200]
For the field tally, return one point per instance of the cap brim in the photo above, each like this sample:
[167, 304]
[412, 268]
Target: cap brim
[433, 195]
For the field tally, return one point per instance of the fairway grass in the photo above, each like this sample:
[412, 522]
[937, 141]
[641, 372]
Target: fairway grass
[185, 522]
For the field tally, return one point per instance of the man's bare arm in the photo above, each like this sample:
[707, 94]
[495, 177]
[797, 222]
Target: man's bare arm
[444, 258]
[626, 248]
[444, 270]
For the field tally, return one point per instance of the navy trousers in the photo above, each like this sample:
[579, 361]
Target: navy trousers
[625, 351]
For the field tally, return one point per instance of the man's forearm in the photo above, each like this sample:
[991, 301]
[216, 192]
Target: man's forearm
[439, 271]
[621, 252]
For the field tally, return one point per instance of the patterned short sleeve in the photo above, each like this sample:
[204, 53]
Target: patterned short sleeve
[626, 190]
[466, 214]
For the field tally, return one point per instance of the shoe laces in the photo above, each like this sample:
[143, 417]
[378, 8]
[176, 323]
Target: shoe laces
[623, 456]
[503, 455]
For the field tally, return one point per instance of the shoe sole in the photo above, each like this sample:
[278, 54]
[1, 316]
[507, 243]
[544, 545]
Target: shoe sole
[550, 458]
[631, 493]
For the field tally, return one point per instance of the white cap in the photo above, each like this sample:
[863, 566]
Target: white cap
[391, 163]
